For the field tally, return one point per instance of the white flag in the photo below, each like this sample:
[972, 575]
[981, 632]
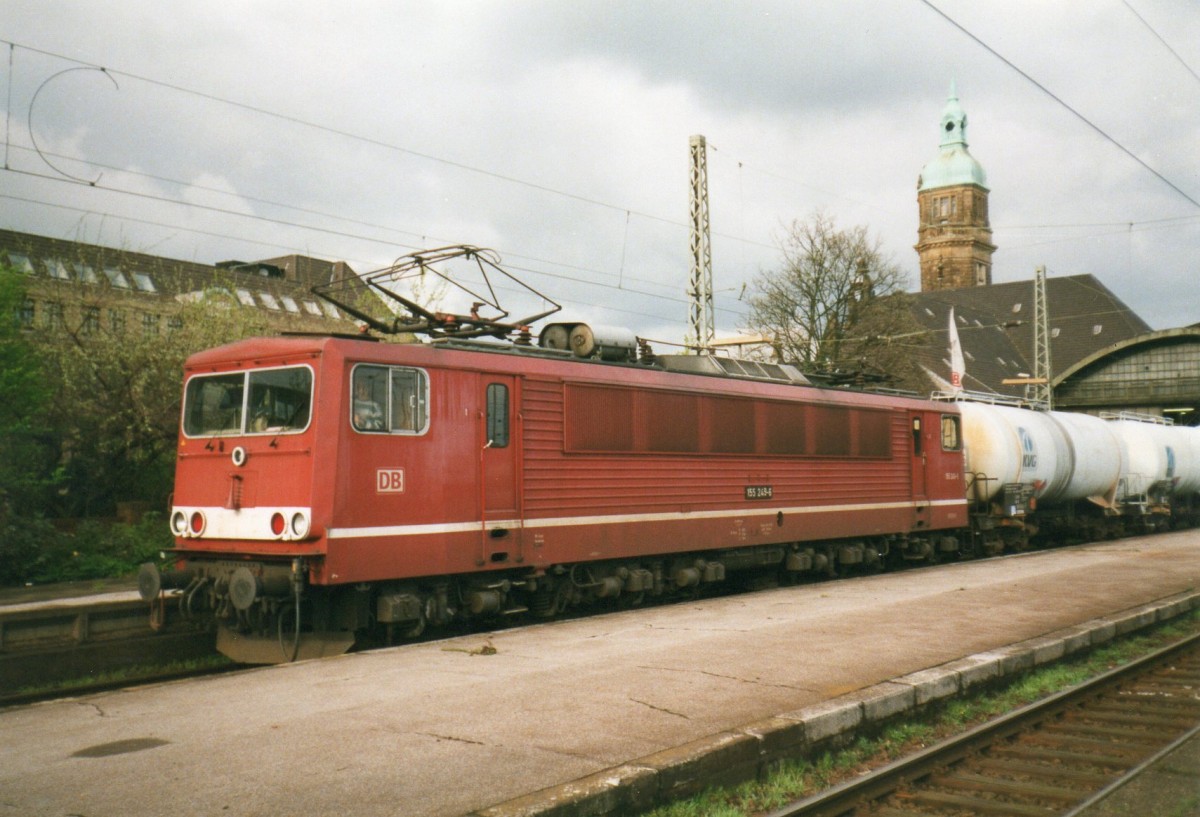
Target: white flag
[958, 368]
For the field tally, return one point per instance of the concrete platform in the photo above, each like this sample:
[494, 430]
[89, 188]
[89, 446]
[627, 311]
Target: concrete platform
[100, 588]
[596, 716]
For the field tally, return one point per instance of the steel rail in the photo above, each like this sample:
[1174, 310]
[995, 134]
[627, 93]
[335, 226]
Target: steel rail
[846, 797]
[49, 641]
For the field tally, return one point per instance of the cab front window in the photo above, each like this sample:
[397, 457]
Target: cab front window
[213, 404]
[260, 401]
[279, 399]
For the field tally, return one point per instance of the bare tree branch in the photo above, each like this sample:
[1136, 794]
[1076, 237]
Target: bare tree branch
[835, 302]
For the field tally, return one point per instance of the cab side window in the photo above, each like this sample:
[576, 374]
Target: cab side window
[951, 437]
[388, 399]
[369, 396]
[408, 400]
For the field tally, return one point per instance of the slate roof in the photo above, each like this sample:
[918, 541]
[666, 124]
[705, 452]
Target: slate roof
[279, 288]
[995, 328]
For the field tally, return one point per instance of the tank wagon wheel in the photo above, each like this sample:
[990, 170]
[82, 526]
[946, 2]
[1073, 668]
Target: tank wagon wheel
[1016, 540]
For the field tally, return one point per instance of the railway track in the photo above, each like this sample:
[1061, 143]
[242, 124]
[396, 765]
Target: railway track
[47, 642]
[1051, 758]
[50, 646]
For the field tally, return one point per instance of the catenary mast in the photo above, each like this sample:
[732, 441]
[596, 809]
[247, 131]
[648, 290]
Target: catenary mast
[700, 289]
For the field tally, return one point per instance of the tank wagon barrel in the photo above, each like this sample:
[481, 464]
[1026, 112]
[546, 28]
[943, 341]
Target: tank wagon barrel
[1158, 460]
[1095, 457]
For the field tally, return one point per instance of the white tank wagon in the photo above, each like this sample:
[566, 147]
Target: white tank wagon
[1083, 475]
[1013, 458]
[1189, 476]
[1006, 446]
[1095, 458]
[1159, 462]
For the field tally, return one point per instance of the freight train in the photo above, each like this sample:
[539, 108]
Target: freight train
[330, 489]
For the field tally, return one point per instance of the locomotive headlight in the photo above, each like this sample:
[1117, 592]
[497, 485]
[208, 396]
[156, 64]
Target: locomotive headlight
[278, 524]
[300, 525]
[179, 523]
[196, 523]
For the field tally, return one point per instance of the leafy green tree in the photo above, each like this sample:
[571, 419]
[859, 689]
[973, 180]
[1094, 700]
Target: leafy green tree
[89, 417]
[26, 452]
[28, 455]
[117, 396]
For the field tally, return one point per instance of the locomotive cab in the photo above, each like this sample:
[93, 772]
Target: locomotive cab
[314, 485]
[249, 527]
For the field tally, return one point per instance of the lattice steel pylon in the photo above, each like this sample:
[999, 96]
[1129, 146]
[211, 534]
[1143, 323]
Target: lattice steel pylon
[701, 329]
[1040, 391]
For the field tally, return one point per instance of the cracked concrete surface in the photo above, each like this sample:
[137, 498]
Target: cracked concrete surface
[441, 729]
[649, 705]
[738, 678]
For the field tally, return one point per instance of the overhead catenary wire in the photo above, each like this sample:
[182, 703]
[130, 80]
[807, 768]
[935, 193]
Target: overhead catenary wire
[96, 183]
[261, 110]
[1162, 41]
[277, 247]
[1061, 102]
[368, 140]
[425, 238]
[283, 117]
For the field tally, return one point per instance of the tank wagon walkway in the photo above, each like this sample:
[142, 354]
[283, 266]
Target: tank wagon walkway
[619, 704]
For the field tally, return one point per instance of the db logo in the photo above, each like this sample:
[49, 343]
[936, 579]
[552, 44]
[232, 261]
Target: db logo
[389, 481]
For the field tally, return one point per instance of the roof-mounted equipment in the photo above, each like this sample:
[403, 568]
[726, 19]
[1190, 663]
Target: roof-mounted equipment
[486, 317]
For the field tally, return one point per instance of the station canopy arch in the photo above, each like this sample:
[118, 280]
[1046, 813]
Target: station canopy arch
[1153, 373]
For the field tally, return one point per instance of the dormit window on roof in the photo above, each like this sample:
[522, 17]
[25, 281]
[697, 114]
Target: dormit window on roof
[116, 278]
[19, 261]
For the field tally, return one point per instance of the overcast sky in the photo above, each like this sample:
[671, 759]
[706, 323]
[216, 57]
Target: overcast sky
[557, 133]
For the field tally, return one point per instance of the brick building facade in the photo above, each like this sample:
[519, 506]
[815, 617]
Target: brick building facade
[86, 288]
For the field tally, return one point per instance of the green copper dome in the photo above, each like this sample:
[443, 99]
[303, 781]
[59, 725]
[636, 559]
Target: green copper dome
[953, 165]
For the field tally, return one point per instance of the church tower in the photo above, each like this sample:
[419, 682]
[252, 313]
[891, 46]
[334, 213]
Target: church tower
[954, 240]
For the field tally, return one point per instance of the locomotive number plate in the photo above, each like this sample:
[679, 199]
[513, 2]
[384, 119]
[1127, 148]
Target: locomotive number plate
[760, 491]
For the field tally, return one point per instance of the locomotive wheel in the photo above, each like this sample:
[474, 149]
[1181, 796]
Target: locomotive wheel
[546, 601]
[416, 629]
[628, 601]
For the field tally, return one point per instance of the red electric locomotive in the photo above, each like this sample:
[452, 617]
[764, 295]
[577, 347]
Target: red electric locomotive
[328, 487]
[347, 484]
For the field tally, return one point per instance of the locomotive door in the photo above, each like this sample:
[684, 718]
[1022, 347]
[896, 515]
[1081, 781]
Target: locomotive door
[499, 472]
[920, 463]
